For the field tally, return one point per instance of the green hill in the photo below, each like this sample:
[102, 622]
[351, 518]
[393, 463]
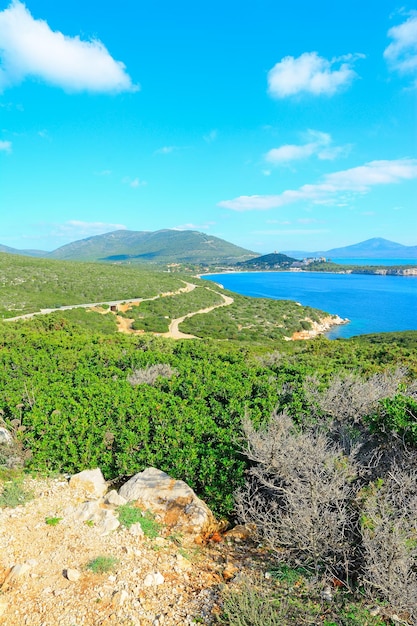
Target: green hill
[268, 261]
[160, 247]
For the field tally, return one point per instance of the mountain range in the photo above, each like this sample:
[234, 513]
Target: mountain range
[160, 247]
[189, 246]
[376, 248]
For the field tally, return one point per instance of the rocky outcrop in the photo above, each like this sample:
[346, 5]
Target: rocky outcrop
[173, 501]
[318, 328]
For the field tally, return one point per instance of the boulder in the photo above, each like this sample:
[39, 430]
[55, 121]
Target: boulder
[90, 483]
[172, 500]
[5, 436]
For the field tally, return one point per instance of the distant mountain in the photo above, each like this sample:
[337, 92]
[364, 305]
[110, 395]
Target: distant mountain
[40, 253]
[376, 248]
[268, 261]
[162, 246]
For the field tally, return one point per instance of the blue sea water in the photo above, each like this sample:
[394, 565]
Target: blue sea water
[374, 261]
[372, 303]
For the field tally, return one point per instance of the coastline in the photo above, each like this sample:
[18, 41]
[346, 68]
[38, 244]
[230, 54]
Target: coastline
[371, 270]
[319, 328]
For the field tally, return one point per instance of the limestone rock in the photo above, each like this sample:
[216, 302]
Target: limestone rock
[154, 579]
[72, 574]
[173, 500]
[119, 598]
[136, 530]
[5, 436]
[90, 483]
[113, 499]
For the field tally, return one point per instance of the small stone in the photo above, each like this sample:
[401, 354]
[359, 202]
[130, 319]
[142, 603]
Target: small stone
[114, 499]
[136, 530]
[183, 564]
[119, 598]
[326, 594]
[108, 522]
[154, 579]
[230, 571]
[3, 606]
[72, 574]
[16, 572]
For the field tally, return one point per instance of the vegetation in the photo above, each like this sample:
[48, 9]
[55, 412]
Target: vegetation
[254, 320]
[14, 494]
[29, 284]
[315, 442]
[102, 564]
[163, 246]
[289, 596]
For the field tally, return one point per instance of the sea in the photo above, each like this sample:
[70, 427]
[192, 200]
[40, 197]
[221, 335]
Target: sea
[372, 303]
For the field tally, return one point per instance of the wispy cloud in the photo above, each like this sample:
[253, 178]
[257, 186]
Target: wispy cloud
[401, 54]
[166, 150]
[104, 173]
[292, 231]
[134, 182]
[78, 228]
[190, 226]
[318, 144]
[5, 146]
[359, 179]
[311, 74]
[211, 136]
[29, 48]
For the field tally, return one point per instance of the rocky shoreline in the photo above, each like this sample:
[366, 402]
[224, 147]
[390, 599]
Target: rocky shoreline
[319, 328]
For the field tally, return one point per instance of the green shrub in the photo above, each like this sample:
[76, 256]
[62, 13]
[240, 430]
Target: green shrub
[102, 564]
[14, 494]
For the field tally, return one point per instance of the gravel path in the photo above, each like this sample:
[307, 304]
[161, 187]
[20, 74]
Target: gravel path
[42, 594]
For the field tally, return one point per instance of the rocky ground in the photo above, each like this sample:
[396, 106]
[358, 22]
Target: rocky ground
[44, 579]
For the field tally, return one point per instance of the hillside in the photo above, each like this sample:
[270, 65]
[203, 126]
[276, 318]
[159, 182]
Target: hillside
[162, 246]
[375, 248]
[267, 261]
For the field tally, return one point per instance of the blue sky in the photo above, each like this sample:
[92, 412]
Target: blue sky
[273, 125]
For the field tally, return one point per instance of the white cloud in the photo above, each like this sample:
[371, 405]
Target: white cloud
[355, 180]
[29, 48]
[104, 173]
[5, 146]
[77, 228]
[293, 231]
[211, 136]
[165, 150]
[311, 74]
[318, 144]
[401, 54]
[134, 182]
[189, 226]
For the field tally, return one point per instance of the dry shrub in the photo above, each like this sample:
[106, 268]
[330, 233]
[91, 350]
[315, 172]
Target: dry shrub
[148, 375]
[389, 536]
[349, 397]
[298, 493]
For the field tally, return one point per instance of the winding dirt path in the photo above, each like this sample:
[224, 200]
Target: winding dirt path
[124, 324]
[174, 331]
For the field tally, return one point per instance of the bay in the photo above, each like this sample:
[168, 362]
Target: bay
[373, 304]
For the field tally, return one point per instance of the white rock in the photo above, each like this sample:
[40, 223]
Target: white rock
[88, 511]
[5, 436]
[114, 499]
[119, 598]
[173, 500]
[108, 522]
[136, 530]
[154, 579]
[72, 574]
[90, 483]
